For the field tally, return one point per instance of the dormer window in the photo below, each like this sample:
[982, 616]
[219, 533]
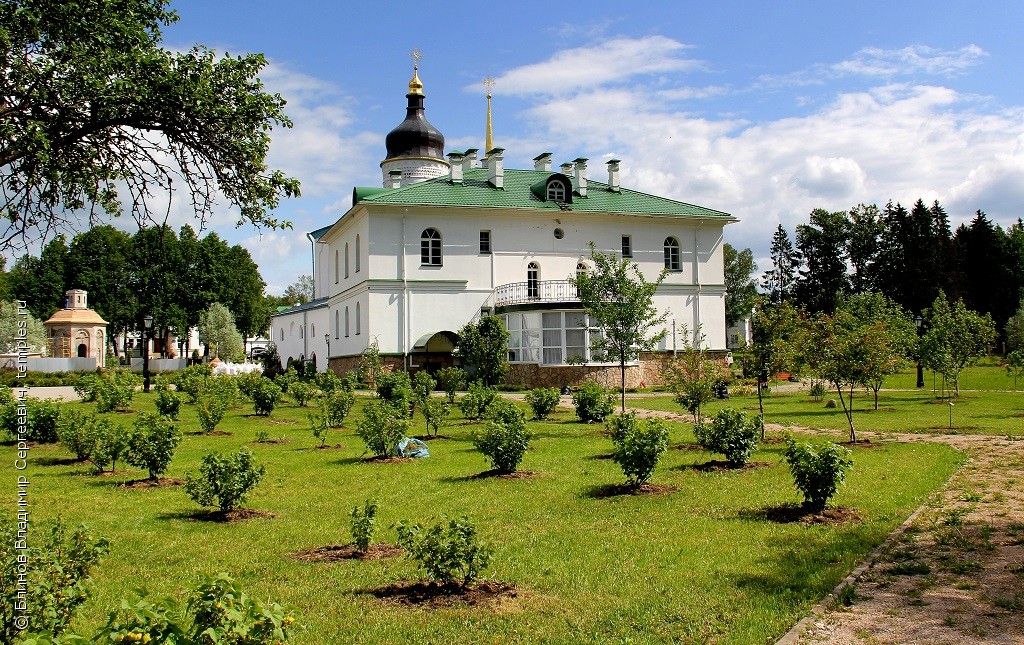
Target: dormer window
[556, 191]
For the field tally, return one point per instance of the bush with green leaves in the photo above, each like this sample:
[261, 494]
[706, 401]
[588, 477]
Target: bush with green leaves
[364, 520]
[451, 380]
[191, 379]
[337, 405]
[115, 390]
[319, 426]
[85, 388]
[210, 409]
[57, 564]
[285, 380]
[152, 443]
[476, 401]
[168, 403]
[396, 389]
[265, 397]
[504, 439]
[302, 392]
[41, 420]
[817, 389]
[224, 481]
[639, 444]
[382, 427]
[435, 414]
[818, 470]
[543, 401]
[74, 431]
[593, 403]
[111, 443]
[423, 386]
[730, 433]
[248, 382]
[327, 381]
[449, 552]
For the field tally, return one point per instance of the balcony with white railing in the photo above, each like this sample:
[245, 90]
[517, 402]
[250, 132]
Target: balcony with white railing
[535, 291]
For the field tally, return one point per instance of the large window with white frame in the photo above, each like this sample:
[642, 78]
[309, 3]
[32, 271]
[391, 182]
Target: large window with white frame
[672, 258]
[550, 337]
[430, 248]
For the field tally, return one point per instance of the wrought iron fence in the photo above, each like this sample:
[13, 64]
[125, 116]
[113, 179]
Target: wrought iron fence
[535, 291]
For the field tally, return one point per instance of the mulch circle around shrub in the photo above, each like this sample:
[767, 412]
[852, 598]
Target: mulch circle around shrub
[617, 490]
[163, 482]
[432, 437]
[860, 443]
[388, 460]
[790, 513]
[337, 553]
[433, 595]
[690, 447]
[232, 516]
[279, 442]
[498, 474]
[717, 466]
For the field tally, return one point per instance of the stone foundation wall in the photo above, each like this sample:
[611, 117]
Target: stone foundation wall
[342, 365]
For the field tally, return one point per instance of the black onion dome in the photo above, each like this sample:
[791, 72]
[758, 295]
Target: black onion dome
[415, 137]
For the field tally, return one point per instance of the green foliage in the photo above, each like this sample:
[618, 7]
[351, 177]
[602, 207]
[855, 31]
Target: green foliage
[301, 392]
[111, 444]
[730, 433]
[86, 387]
[248, 382]
[271, 361]
[74, 432]
[1015, 330]
[115, 390]
[451, 380]
[224, 480]
[382, 427]
[285, 380]
[476, 401]
[191, 379]
[543, 401]
[504, 439]
[639, 445]
[370, 366]
[40, 421]
[740, 286]
[92, 437]
[1015, 365]
[435, 413]
[265, 397]
[57, 564]
[955, 338]
[396, 390]
[327, 381]
[593, 403]
[692, 376]
[817, 389]
[337, 405]
[218, 332]
[152, 443]
[483, 349]
[450, 551]
[168, 403]
[20, 330]
[620, 303]
[210, 409]
[422, 385]
[818, 471]
[363, 523]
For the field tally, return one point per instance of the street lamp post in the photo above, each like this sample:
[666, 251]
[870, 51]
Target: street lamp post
[147, 326]
[327, 338]
[919, 322]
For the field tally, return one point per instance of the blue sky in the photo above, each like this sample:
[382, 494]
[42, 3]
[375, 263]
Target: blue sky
[763, 110]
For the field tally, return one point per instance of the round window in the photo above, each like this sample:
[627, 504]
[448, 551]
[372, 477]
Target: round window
[559, 233]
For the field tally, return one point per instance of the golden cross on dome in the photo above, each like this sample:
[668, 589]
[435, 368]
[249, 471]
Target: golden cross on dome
[416, 56]
[488, 83]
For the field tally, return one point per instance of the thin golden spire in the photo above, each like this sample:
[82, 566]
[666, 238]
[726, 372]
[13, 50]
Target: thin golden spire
[489, 136]
[416, 85]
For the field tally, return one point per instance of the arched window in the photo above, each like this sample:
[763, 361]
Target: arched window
[282, 333]
[346, 260]
[357, 253]
[533, 280]
[336, 328]
[430, 248]
[346, 322]
[302, 328]
[581, 268]
[672, 262]
[556, 191]
[358, 319]
[312, 330]
[336, 270]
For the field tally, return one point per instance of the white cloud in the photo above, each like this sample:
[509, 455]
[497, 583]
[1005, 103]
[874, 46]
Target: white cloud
[872, 61]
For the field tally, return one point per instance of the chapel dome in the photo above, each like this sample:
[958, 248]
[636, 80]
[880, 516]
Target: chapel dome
[415, 137]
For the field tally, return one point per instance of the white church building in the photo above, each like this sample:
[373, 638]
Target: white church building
[451, 238]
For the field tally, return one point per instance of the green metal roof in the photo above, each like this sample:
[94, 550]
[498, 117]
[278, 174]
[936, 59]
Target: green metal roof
[476, 192]
[318, 233]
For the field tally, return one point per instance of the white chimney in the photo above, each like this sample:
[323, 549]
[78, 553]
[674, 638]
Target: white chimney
[542, 162]
[567, 169]
[581, 176]
[495, 167]
[613, 175]
[469, 160]
[455, 162]
[395, 178]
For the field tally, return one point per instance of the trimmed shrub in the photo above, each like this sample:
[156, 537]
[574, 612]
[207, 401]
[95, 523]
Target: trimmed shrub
[451, 380]
[449, 552]
[111, 444]
[363, 523]
[265, 397]
[381, 427]
[543, 401]
[210, 408]
[190, 380]
[505, 439]
[435, 413]
[327, 381]
[115, 390]
[285, 380]
[58, 562]
[74, 430]
[818, 471]
[85, 388]
[337, 405]
[422, 384]
[302, 392]
[168, 404]
[248, 382]
[41, 420]
[224, 480]
[817, 389]
[152, 443]
[593, 403]
[639, 444]
[396, 389]
[318, 424]
[476, 401]
[730, 433]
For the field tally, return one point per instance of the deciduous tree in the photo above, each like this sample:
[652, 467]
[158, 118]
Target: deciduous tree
[740, 286]
[483, 348]
[956, 338]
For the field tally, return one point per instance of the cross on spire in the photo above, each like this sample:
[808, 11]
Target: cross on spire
[488, 83]
[416, 56]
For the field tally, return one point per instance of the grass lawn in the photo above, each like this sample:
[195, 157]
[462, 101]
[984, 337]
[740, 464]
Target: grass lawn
[690, 566]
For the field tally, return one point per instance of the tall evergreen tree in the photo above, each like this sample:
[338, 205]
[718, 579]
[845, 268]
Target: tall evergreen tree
[779, 282]
[863, 246]
[988, 282]
[822, 244]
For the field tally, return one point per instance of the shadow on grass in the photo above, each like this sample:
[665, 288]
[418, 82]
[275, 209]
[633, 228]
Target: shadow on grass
[793, 513]
[717, 466]
[433, 595]
[491, 474]
[217, 516]
[620, 490]
[60, 461]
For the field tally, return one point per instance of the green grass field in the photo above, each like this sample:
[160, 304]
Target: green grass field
[689, 566]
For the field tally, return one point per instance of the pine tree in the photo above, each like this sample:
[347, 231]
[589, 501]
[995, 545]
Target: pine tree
[864, 246]
[822, 243]
[778, 283]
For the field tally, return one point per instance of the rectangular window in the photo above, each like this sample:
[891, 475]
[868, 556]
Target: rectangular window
[485, 242]
[627, 246]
